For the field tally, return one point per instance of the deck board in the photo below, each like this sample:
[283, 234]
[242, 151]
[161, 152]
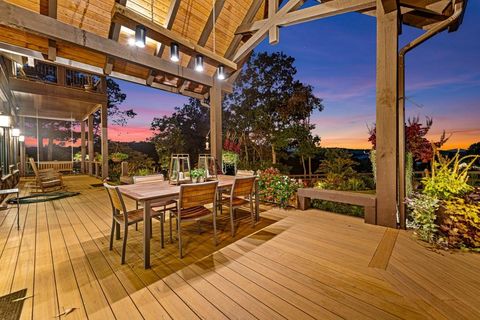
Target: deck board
[292, 265]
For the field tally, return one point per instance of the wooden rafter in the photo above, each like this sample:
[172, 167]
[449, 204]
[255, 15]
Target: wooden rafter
[206, 32]
[113, 34]
[252, 11]
[49, 9]
[170, 18]
[15, 17]
[131, 19]
[263, 31]
[389, 5]
[288, 16]
[274, 32]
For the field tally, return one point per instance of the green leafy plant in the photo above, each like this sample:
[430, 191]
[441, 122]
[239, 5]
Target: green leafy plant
[118, 156]
[277, 188]
[229, 157]
[143, 172]
[448, 177]
[197, 173]
[423, 216]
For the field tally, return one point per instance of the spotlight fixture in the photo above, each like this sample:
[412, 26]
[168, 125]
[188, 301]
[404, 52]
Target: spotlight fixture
[140, 36]
[199, 63]
[174, 52]
[221, 72]
[15, 132]
[21, 138]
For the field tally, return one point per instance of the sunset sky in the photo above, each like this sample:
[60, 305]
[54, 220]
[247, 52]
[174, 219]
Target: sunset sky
[337, 57]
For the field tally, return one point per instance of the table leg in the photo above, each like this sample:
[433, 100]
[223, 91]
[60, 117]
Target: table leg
[146, 234]
[257, 202]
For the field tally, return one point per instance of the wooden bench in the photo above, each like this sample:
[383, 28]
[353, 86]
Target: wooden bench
[60, 166]
[368, 201]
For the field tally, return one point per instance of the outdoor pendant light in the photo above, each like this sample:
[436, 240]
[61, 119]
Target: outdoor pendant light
[174, 52]
[21, 138]
[199, 63]
[15, 132]
[221, 72]
[140, 36]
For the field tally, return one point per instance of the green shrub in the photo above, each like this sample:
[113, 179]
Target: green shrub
[459, 221]
[449, 178]
[423, 216]
[277, 188]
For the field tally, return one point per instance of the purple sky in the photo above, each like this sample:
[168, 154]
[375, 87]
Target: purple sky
[337, 56]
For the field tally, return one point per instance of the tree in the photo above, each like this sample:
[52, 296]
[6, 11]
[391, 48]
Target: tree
[182, 132]
[268, 107]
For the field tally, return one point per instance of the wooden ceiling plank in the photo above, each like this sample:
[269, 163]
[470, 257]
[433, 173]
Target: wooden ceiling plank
[130, 19]
[23, 19]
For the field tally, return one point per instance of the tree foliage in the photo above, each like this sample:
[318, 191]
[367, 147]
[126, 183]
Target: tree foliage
[182, 132]
[415, 137]
[270, 110]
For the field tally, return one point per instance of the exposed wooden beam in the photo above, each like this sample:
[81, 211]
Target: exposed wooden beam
[252, 11]
[273, 32]
[262, 32]
[108, 66]
[15, 17]
[169, 19]
[51, 11]
[319, 11]
[206, 32]
[131, 19]
[114, 32]
[389, 5]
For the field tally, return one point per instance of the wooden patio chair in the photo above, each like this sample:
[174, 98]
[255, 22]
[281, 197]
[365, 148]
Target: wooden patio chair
[191, 207]
[159, 206]
[47, 178]
[241, 194]
[122, 216]
[8, 187]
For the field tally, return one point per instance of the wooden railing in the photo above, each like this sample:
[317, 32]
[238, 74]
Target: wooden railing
[69, 77]
[61, 166]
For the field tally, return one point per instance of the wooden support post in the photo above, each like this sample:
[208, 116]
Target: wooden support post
[387, 116]
[83, 149]
[216, 121]
[402, 190]
[91, 155]
[104, 133]
[21, 145]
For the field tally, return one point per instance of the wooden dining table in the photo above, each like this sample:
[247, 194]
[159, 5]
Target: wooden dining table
[147, 193]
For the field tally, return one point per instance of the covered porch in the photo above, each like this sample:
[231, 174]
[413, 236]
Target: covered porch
[292, 265]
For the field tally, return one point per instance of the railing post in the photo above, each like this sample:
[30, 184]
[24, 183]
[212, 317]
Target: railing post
[91, 154]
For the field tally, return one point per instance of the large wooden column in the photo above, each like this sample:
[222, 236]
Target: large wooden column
[216, 121]
[91, 153]
[387, 113]
[104, 139]
[83, 149]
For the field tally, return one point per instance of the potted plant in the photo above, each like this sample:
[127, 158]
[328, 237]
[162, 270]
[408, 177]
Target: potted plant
[118, 157]
[198, 175]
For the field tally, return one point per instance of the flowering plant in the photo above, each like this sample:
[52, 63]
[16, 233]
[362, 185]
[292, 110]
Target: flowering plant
[277, 188]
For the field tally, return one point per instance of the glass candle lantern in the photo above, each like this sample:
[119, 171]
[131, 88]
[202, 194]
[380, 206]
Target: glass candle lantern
[207, 162]
[179, 169]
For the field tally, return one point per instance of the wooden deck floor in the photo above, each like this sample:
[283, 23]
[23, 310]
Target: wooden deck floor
[293, 265]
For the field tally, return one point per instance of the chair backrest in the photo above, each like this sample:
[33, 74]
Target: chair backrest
[34, 166]
[116, 199]
[198, 194]
[6, 183]
[16, 177]
[245, 173]
[243, 186]
[148, 178]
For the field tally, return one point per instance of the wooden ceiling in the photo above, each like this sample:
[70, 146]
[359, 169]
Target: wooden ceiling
[226, 34]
